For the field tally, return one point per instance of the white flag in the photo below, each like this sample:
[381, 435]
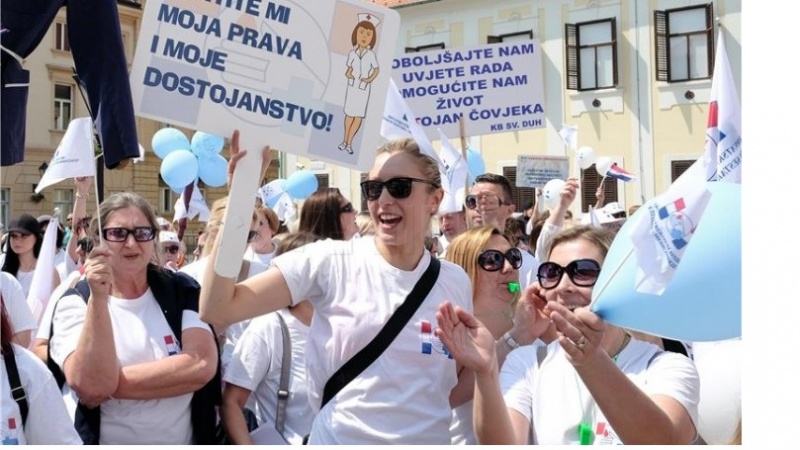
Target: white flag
[74, 156]
[42, 282]
[593, 219]
[454, 173]
[141, 155]
[285, 209]
[724, 133]
[197, 207]
[270, 192]
[399, 122]
[569, 134]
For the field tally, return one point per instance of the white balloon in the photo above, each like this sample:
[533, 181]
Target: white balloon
[602, 165]
[551, 193]
[720, 408]
[586, 157]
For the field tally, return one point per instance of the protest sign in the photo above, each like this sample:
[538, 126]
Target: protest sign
[309, 82]
[534, 171]
[496, 88]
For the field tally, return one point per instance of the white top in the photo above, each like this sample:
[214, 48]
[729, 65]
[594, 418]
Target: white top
[25, 280]
[48, 422]
[553, 397]
[262, 258]
[16, 304]
[43, 331]
[256, 366]
[403, 397]
[527, 272]
[141, 334]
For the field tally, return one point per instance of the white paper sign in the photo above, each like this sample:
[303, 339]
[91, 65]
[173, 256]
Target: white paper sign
[497, 88]
[308, 78]
[534, 171]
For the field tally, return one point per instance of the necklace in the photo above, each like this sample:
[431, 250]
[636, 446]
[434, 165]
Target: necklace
[625, 341]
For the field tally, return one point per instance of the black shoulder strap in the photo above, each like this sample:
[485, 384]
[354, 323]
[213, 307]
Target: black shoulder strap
[16, 385]
[286, 371]
[80, 288]
[379, 343]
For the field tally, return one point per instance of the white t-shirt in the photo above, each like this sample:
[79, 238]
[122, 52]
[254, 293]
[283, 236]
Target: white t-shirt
[234, 331]
[262, 258]
[527, 272]
[25, 280]
[256, 366]
[553, 397]
[16, 304]
[403, 397]
[43, 331]
[48, 422]
[141, 334]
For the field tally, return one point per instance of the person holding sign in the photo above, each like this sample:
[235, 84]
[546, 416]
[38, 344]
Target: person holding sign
[362, 69]
[594, 384]
[356, 286]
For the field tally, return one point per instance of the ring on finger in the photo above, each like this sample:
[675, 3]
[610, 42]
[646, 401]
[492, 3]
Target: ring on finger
[580, 343]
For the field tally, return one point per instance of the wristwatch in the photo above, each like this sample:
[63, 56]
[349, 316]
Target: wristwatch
[509, 340]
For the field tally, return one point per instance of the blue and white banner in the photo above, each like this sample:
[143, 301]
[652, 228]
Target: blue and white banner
[724, 133]
[495, 88]
[308, 78]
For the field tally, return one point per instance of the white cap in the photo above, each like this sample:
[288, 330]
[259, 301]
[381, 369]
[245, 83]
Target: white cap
[613, 208]
[168, 237]
[367, 17]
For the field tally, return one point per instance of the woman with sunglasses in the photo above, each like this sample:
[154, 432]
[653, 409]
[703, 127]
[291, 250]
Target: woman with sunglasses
[329, 214]
[493, 266]
[594, 384]
[355, 286]
[117, 350]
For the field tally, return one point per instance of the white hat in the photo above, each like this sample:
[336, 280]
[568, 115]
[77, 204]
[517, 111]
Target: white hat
[168, 237]
[613, 208]
[367, 17]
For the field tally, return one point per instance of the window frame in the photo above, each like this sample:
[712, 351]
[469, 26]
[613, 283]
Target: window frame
[494, 39]
[61, 36]
[519, 195]
[663, 51]
[65, 205]
[678, 166]
[426, 48]
[590, 180]
[573, 59]
[59, 123]
[5, 205]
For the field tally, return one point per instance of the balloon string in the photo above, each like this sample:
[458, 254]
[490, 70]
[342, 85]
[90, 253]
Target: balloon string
[608, 280]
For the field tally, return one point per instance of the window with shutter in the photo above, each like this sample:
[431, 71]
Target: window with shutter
[519, 195]
[322, 180]
[684, 43]
[510, 37]
[680, 166]
[590, 180]
[591, 55]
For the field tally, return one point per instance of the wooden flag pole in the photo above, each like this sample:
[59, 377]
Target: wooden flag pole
[461, 128]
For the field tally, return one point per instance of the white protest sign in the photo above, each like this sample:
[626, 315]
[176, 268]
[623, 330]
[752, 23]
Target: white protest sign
[534, 171]
[308, 78]
[496, 88]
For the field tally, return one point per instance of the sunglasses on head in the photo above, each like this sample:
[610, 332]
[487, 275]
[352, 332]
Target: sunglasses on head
[140, 234]
[582, 272]
[471, 201]
[348, 208]
[172, 249]
[251, 236]
[494, 260]
[399, 187]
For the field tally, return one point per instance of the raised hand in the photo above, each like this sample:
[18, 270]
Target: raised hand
[237, 154]
[531, 322]
[569, 193]
[580, 333]
[470, 343]
[99, 273]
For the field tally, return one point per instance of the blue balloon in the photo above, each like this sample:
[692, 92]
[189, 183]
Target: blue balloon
[703, 301]
[475, 163]
[214, 171]
[167, 140]
[178, 169]
[301, 184]
[206, 145]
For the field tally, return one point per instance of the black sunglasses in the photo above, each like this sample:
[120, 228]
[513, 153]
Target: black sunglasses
[399, 187]
[493, 260]
[251, 236]
[582, 272]
[471, 201]
[173, 249]
[348, 208]
[140, 234]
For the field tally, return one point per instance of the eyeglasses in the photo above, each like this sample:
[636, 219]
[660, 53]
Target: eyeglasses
[251, 236]
[348, 208]
[140, 234]
[172, 249]
[582, 272]
[399, 187]
[471, 201]
[494, 260]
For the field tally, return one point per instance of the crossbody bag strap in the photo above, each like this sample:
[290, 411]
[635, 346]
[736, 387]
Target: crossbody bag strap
[379, 343]
[16, 385]
[286, 370]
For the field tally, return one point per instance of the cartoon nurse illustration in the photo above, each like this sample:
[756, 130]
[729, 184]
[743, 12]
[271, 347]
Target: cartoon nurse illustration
[362, 69]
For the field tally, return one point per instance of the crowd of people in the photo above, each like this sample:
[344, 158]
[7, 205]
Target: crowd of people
[348, 328]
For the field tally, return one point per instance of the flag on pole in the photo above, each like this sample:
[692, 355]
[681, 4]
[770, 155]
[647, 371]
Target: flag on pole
[724, 132]
[569, 134]
[454, 176]
[74, 156]
[42, 282]
[399, 122]
[197, 207]
[284, 208]
[616, 172]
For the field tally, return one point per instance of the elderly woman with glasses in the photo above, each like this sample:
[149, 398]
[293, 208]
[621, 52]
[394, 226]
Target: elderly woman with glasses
[356, 286]
[594, 384]
[130, 342]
